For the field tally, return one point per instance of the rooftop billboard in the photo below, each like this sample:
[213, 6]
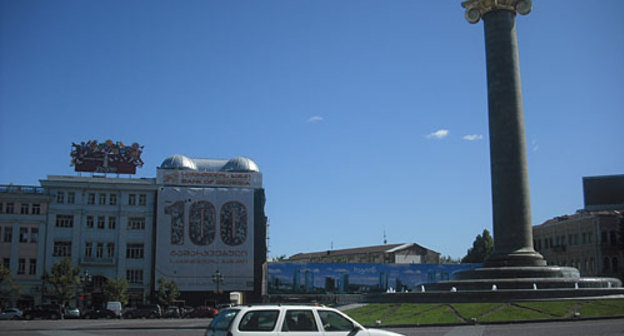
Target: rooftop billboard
[106, 157]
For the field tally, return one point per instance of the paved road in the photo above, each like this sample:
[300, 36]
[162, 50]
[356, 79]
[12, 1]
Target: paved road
[196, 327]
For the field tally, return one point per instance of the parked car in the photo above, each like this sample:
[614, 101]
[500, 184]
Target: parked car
[72, 313]
[144, 311]
[114, 306]
[283, 320]
[201, 311]
[172, 312]
[49, 311]
[11, 314]
[99, 313]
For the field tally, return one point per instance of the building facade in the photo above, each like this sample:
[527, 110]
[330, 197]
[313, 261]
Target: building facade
[106, 226]
[23, 211]
[590, 240]
[379, 254]
[199, 223]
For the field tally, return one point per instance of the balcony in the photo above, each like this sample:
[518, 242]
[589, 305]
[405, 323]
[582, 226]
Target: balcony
[97, 261]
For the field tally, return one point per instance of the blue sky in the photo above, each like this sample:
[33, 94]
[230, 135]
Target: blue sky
[364, 116]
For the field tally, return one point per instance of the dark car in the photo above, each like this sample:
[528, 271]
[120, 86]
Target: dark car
[99, 313]
[201, 311]
[50, 311]
[144, 311]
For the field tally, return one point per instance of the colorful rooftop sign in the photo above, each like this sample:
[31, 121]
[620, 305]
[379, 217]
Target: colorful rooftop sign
[106, 157]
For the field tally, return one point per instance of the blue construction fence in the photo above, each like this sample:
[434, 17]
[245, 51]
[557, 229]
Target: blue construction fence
[342, 278]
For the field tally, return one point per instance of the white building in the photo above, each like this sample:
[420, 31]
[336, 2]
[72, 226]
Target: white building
[23, 212]
[106, 226]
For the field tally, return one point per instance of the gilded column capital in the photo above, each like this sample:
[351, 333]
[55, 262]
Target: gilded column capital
[475, 9]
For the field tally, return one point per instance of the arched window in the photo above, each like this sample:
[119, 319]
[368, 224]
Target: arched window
[614, 264]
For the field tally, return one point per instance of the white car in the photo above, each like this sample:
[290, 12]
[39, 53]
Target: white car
[287, 320]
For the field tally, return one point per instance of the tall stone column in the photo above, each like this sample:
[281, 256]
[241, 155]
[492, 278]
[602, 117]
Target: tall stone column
[513, 235]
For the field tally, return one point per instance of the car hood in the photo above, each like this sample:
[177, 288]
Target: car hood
[380, 332]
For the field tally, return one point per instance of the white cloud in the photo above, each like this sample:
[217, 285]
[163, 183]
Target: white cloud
[439, 134]
[473, 137]
[315, 119]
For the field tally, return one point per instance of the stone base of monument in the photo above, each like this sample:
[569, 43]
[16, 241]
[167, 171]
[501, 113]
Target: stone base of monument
[509, 284]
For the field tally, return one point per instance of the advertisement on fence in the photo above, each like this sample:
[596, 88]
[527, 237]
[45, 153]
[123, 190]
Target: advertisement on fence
[338, 278]
[205, 238]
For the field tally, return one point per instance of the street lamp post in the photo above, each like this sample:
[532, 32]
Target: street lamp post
[217, 278]
[85, 280]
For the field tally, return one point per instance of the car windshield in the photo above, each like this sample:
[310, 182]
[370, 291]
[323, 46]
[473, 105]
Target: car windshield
[223, 320]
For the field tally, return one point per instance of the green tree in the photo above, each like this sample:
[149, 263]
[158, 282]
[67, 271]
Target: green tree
[167, 292]
[9, 290]
[481, 248]
[116, 290]
[64, 281]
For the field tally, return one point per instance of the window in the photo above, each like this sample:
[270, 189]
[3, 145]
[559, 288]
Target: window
[99, 250]
[23, 236]
[24, 209]
[132, 199]
[605, 265]
[90, 222]
[71, 197]
[88, 250]
[102, 199]
[21, 266]
[60, 197]
[134, 251]
[589, 237]
[259, 320]
[1, 207]
[34, 235]
[614, 264]
[142, 199]
[8, 234]
[112, 199]
[91, 198]
[7, 263]
[604, 238]
[110, 250]
[136, 223]
[112, 222]
[613, 238]
[299, 320]
[333, 321]
[584, 235]
[36, 209]
[134, 276]
[64, 220]
[62, 249]
[32, 266]
[101, 222]
[9, 208]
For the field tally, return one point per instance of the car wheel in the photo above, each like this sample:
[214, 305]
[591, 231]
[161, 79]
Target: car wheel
[53, 317]
[28, 317]
[151, 316]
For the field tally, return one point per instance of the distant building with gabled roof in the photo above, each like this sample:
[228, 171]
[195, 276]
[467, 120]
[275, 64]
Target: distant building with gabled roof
[406, 253]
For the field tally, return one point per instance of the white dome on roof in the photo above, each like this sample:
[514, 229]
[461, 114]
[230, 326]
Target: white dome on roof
[241, 164]
[178, 161]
